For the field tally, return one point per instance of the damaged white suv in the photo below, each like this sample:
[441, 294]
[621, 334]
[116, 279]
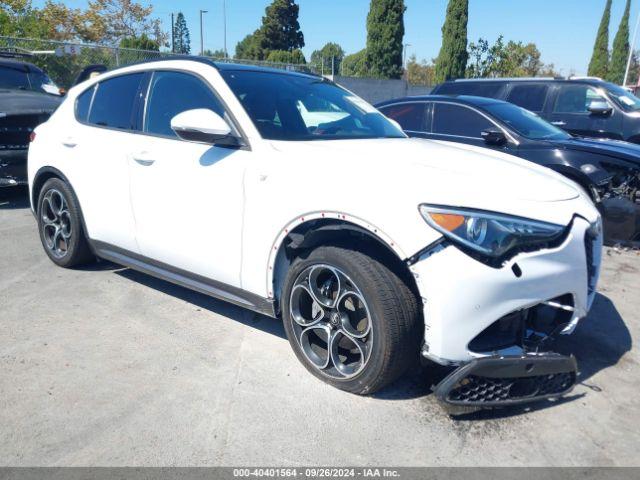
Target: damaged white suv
[288, 195]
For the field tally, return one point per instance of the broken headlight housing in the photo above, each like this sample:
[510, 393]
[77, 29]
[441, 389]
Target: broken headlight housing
[488, 236]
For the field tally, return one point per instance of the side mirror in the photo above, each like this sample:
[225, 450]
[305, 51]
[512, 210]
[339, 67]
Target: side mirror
[203, 126]
[600, 107]
[494, 136]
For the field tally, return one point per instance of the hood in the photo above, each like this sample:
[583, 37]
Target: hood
[629, 152]
[22, 102]
[452, 169]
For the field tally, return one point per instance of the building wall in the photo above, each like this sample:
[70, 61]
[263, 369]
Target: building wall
[376, 90]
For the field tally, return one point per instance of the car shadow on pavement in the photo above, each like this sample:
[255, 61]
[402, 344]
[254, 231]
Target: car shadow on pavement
[14, 198]
[238, 314]
[599, 342]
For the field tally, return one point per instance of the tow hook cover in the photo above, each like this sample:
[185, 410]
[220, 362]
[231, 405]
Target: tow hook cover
[502, 381]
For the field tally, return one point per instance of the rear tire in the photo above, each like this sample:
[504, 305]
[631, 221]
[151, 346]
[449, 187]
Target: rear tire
[60, 225]
[350, 319]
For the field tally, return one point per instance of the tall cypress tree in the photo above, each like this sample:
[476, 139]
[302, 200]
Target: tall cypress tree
[385, 32]
[620, 53]
[452, 59]
[181, 36]
[599, 64]
[280, 29]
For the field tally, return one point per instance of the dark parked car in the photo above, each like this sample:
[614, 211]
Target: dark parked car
[588, 107]
[608, 170]
[27, 98]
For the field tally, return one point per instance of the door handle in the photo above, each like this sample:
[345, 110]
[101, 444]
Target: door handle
[144, 159]
[559, 123]
[69, 142]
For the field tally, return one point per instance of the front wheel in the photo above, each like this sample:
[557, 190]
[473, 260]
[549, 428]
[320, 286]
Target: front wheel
[350, 319]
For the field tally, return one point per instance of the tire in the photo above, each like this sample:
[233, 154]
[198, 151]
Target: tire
[370, 302]
[60, 225]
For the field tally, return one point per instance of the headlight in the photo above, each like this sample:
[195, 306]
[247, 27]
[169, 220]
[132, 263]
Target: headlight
[492, 235]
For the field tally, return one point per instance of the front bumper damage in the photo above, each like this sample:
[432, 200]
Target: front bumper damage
[496, 325]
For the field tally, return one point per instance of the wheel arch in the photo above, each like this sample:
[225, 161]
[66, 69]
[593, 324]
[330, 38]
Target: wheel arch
[40, 178]
[331, 228]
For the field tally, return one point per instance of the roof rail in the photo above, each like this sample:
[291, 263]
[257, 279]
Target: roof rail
[502, 79]
[15, 52]
[586, 77]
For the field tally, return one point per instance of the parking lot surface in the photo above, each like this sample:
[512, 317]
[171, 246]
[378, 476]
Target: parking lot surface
[105, 366]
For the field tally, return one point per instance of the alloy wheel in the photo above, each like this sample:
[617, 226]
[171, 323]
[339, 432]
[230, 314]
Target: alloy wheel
[56, 223]
[331, 321]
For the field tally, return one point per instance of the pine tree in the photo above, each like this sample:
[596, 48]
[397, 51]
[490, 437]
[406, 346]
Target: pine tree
[620, 53]
[385, 32]
[280, 28]
[181, 37]
[599, 64]
[452, 59]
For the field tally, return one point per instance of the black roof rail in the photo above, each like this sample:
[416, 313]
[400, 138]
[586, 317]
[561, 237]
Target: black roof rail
[15, 52]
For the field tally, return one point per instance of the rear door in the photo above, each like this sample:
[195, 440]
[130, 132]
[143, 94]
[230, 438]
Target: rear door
[410, 115]
[570, 112]
[96, 150]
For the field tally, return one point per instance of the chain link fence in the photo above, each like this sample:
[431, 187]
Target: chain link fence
[63, 61]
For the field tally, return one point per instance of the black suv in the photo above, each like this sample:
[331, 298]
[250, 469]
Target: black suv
[609, 170]
[587, 107]
[27, 98]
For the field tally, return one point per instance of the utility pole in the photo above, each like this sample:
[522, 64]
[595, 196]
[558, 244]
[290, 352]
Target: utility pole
[224, 19]
[173, 33]
[404, 55]
[202, 12]
[633, 44]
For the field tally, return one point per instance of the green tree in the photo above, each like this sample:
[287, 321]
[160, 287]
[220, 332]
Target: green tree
[421, 73]
[385, 31]
[249, 48]
[620, 53]
[355, 65]
[452, 59]
[328, 58]
[214, 53]
[283, 56]
[143, 42]
[599, 64]
[181, 36]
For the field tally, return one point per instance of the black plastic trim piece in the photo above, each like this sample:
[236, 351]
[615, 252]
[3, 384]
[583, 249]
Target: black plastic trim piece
[506, 368]
[189, 280]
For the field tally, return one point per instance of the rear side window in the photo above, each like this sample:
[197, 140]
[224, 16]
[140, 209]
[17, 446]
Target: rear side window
[83, 103]
[477, 89]
[531, 97]
[410, 116]
[454, 120]
[13, 78]
[172, 93]
[114, 102]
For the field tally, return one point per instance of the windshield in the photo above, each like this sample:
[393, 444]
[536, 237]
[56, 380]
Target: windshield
[625, 99]
[526, 123]
[295, 107]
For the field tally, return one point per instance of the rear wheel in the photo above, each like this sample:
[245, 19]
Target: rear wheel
[350, 319]
[60, 225]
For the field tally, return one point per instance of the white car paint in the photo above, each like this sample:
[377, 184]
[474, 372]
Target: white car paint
[223, 213]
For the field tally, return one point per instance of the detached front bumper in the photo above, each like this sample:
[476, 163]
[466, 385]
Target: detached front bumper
[13, 168]
[474, 311]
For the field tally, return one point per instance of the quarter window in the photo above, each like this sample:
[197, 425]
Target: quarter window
[410, 116]
[531, 97]
[576, 99]
[449, 119]
[83, 103]
[114, 102]
[172, 93]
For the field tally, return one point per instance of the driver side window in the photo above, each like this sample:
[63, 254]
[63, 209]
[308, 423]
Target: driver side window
[171, 93]
[576, 99]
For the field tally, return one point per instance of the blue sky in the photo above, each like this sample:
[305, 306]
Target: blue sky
[564, 30]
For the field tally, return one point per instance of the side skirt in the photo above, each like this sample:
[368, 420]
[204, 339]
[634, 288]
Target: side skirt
[204, 285]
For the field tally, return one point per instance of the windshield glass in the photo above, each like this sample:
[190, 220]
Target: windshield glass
[526, 123]
[295, 107]
[625, 99]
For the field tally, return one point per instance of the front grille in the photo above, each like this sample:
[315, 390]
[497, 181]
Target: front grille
[478, 390]
[16, 129]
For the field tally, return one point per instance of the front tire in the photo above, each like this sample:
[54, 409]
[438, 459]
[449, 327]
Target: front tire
[60, 225]
[350, 319]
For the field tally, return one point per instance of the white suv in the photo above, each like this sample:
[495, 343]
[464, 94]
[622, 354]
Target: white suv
[288, 195]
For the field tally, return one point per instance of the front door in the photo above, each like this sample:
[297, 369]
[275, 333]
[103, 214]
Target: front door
[187, 197]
